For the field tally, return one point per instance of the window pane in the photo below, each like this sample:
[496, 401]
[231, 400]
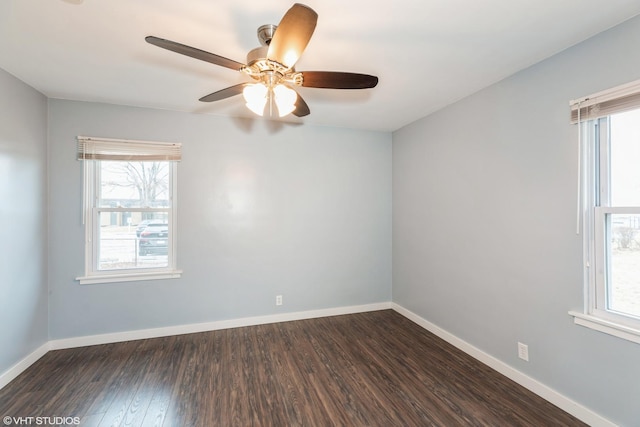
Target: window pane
[131, 240]
[625, 159]
[623, 288]
[134, 184]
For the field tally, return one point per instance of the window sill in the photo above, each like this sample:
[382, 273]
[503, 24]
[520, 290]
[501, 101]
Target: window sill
[129, 277]
[606, 326]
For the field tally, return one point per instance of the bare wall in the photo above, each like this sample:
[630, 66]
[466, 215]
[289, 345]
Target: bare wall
[263, 209]
[484, 220]
[23, 221]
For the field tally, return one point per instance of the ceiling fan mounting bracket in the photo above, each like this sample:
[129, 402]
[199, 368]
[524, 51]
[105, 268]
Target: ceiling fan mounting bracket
[265, 34]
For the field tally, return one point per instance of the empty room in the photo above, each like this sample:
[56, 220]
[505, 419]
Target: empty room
[242, 213]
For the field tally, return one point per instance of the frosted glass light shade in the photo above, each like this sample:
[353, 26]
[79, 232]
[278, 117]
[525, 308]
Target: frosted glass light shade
[285, 99]
[255, 96]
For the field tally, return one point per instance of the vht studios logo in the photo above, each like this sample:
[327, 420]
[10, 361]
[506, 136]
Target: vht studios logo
[41, 421]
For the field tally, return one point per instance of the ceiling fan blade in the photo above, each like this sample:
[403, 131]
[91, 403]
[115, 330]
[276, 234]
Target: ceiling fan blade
[302, 109]
[194, 53]
[224, 93]
[338, 80]
[292, 35]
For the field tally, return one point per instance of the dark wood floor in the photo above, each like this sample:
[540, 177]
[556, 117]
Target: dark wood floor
[369, 369]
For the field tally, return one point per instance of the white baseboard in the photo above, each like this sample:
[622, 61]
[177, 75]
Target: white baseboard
[211, 326]
[581, 412]
[18, 368]
[21, 366]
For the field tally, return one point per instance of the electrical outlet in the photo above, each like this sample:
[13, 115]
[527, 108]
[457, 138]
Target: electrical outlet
[523, 351]
[278, 299]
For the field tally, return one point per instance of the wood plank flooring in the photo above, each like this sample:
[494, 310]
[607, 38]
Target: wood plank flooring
[368, 369]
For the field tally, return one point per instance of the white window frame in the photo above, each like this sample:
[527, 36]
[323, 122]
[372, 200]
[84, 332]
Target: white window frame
[91, 218]
[596, 212]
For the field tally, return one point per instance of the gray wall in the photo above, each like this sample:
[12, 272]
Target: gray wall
[23, 213]
[264, 209]
[484, 240]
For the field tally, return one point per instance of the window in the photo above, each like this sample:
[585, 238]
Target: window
[129, 209]
[610, 142]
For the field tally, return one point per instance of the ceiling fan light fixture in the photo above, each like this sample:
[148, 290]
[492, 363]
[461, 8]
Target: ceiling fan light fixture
[255, 96]
[285, 99]
[272, 66]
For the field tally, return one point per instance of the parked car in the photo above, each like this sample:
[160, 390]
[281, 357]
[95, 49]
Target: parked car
[154, 240]
[142, 225]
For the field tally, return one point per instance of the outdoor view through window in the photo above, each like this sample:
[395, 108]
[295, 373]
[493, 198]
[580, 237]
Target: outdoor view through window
[623, 226]
[132, 215]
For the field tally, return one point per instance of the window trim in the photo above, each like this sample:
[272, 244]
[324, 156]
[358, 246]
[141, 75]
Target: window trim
[596, 193]
[91, 211]
[129, 277]
[601, 240]
[608, 327]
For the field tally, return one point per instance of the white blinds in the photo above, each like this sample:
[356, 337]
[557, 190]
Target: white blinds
[616, 100]
[91, 148]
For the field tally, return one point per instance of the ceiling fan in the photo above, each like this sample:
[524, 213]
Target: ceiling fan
[271, 66]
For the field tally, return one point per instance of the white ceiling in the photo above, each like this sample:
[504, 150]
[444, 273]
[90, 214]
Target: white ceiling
[426, 53]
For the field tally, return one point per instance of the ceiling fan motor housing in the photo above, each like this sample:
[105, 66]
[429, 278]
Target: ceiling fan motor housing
[257, 62]
[265, 70]
[257, 54]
